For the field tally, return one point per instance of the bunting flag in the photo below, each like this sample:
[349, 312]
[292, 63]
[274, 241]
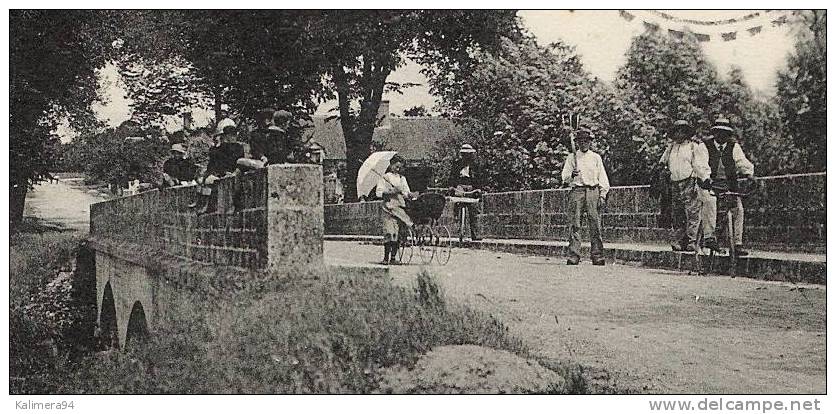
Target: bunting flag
[754, 30]
[651, 26]
[780, 21]
[627, 16]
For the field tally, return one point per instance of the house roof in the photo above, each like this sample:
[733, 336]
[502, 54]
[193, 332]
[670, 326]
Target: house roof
[414, 137]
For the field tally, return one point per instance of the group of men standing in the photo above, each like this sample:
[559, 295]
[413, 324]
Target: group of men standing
[698, 170]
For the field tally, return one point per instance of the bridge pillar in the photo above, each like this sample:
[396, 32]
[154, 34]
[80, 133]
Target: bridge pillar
[295, 219]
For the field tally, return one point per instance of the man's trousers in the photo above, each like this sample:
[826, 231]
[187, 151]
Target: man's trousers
[585, 199]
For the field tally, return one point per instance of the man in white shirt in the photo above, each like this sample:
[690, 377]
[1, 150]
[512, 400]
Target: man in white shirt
[588, 179]
[687, 161]
[728, 163]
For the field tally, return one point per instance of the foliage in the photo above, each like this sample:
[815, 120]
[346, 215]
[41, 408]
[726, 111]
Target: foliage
[334, 336]
[361, 48]
[119, 155]
[802, 90]
[53, 58]
[512, 104]
[40, 308]
[416, 111]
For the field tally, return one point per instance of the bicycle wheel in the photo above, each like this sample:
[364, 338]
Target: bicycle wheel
[405, 247]
[424, 243]
[444, 245]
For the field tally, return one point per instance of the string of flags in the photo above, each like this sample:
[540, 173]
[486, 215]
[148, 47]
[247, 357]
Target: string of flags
[706, 37]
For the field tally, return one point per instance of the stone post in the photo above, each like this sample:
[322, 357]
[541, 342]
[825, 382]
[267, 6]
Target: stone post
[295, 219]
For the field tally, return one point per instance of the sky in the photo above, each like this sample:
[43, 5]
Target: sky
[601, 38]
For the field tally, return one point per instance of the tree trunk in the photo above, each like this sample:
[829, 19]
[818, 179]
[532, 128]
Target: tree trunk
[218, 112]
[17, 199]
[359, 131]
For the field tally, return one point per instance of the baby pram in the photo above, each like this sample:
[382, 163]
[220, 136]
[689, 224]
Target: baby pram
[431, 239]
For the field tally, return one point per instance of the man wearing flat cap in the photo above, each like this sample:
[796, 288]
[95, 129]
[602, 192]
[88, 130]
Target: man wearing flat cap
[687, 161]
[584, 172]
[728, 163]
[465, 179]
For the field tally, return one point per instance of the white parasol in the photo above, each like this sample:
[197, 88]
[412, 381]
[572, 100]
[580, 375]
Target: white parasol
[372, 169]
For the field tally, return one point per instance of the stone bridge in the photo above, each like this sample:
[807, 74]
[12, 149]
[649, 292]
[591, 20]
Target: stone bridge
[152, 253]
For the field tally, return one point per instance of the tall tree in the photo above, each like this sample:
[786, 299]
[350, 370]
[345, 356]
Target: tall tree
[802, 88]
[362, 47]
[244, 60]
[53, 58]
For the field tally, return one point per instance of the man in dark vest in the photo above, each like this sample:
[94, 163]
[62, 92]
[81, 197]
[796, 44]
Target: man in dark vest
[728, 164]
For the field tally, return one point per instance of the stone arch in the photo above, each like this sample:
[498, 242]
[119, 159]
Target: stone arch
[108, 325]
[137, 325]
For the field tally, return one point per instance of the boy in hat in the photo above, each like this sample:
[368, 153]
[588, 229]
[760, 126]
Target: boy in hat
[584, 172]
[178, 169]
[465, 178]
[687, 161]
[728, 163]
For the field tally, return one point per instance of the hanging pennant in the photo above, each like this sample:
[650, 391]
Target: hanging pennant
[651, 26]
[627, 16]
[754, 30]
[676, 34]
[780, 21]
[729, 36]
[703, 37]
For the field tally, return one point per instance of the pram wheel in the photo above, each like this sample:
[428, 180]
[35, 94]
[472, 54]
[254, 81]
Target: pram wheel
[444, 244]
[424, 241]
[407, 240]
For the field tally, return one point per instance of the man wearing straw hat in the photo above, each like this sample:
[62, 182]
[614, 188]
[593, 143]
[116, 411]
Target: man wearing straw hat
[687, 161]
[178, 169]
[584, 172]
[728, 163]
[465, 179]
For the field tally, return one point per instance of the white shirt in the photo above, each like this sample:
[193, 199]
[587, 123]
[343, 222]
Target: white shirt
[591, 171]
[685, 160]
[391, 181]
[741, 163]
[465, 172]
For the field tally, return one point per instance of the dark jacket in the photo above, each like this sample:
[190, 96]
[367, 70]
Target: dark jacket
[180, 169]
[456, 179]
[222, 159]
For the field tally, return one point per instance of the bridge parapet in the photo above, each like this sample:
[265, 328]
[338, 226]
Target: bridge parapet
[787, 212]
[277, 223]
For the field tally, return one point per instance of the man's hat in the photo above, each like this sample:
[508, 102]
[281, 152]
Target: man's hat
[722, 124]
[223, 125]
[178, 148]
[683, 124]
[467, 149]
[282, 115]
[584, 133]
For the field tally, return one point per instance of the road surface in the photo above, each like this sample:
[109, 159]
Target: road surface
[639, 329]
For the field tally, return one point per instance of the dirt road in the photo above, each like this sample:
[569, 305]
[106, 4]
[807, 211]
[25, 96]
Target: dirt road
[651, 331]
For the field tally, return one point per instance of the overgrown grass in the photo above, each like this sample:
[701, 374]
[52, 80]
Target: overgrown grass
[39, 314]
[327, 337]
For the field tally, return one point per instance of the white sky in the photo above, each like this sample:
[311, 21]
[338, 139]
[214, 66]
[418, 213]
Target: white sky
[601, 39]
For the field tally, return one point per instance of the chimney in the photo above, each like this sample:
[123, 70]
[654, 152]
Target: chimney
[383, 120]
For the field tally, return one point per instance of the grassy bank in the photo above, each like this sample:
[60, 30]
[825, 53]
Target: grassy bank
[40, 311]
[327, 337]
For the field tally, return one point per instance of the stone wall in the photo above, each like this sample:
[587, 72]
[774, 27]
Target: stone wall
[786, 211]
[278, 224]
